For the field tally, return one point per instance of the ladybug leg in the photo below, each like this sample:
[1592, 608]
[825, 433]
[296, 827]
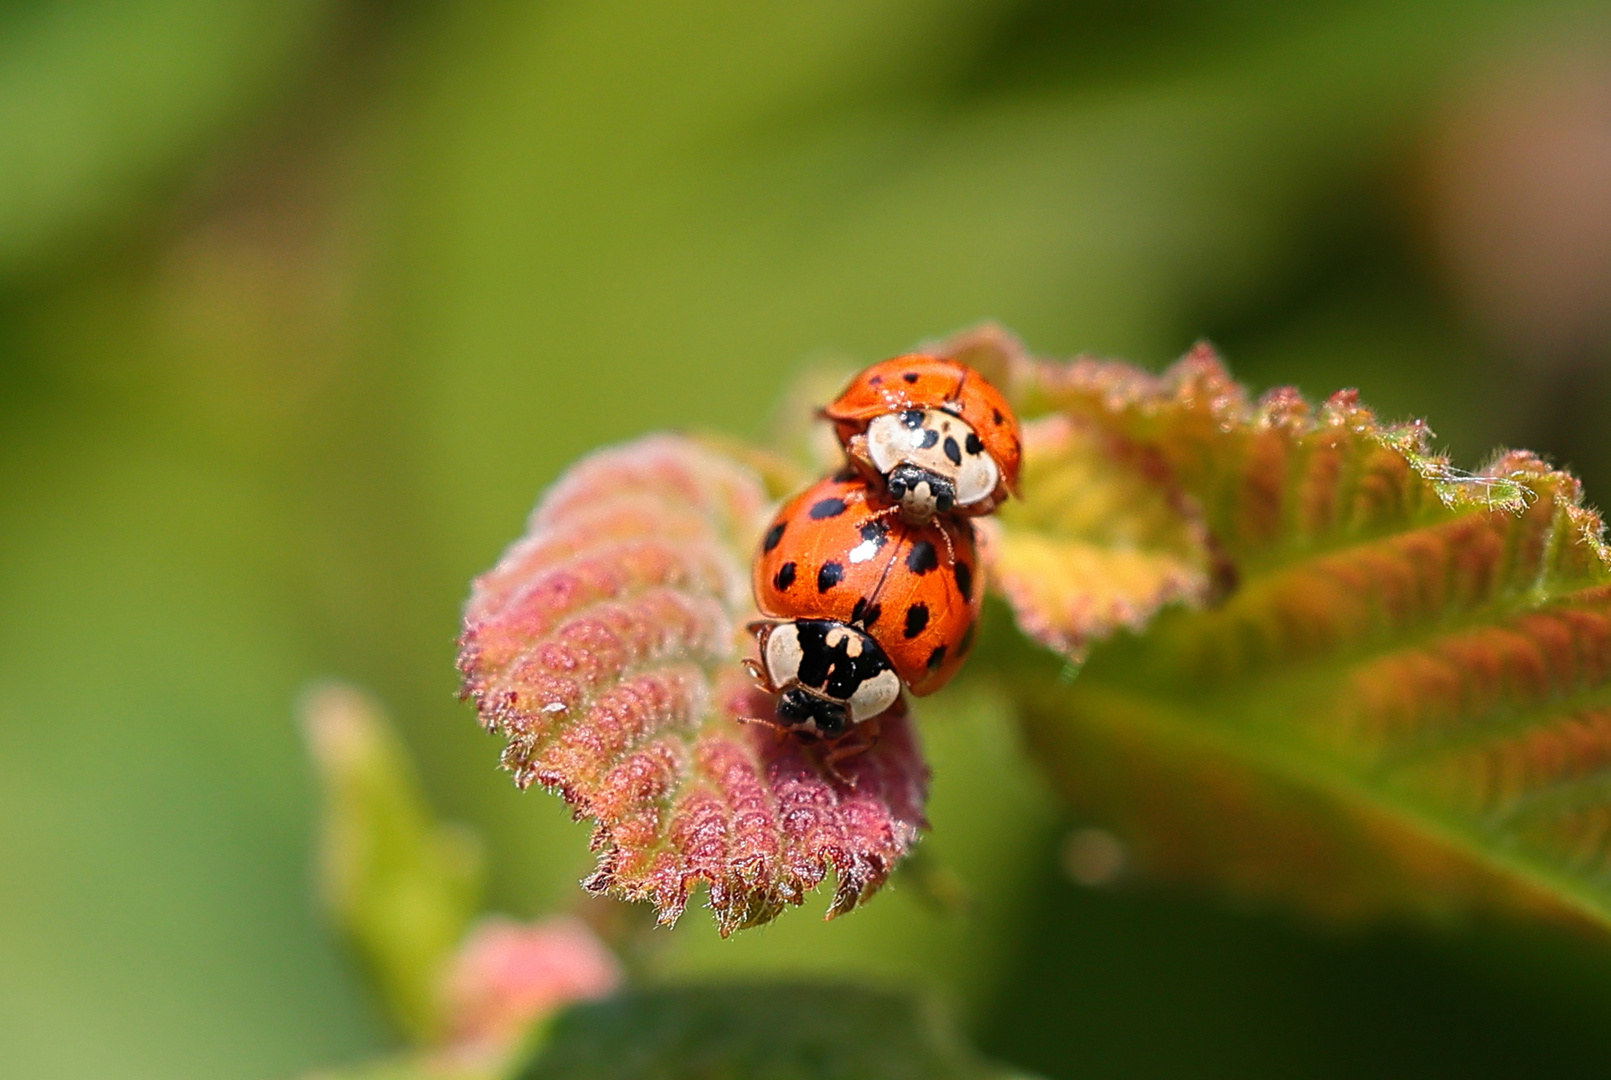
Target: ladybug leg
[856, 451]
[763, 682]
[950, 549]
[851, 745]
[832, 758]
[758, 673]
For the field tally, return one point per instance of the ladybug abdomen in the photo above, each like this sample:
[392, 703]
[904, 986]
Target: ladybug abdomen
[835, 553]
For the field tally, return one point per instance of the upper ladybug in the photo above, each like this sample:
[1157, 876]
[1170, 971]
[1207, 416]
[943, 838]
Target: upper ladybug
[933, 432]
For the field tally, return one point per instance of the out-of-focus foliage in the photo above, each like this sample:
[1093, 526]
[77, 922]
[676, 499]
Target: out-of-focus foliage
[401, 886]
[509, 976]
[98, 99]
[764, 1032]
[279, 391]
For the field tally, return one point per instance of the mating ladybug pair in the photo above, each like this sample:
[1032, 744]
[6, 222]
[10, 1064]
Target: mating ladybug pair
[870, 578]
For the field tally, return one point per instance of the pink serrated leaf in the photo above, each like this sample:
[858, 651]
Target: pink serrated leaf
[606, 647]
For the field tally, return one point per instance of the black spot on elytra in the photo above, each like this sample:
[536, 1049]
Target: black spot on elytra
[910, 376]
[917, 617]
[912, 418]
[864, 613]
[930, 437]
[784, 577]
[826, 508]
[875, 380]
[995, 414]
[936, 658]
[973, 445]
[773, 535]
[921, 559]
[953, 452]
[964, 580]
[875, 532]
[829, 576]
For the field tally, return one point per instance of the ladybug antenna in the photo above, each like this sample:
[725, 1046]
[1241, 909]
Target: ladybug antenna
[778, 730]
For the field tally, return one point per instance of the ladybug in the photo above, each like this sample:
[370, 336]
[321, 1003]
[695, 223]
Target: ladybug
[933, 433]
[861, 602]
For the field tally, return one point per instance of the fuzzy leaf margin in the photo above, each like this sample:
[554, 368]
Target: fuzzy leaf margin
[606, 647]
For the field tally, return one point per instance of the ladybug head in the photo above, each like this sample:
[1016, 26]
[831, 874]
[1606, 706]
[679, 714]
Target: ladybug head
[829, 676]
[920, 492]
[932, 462]
[801, 710]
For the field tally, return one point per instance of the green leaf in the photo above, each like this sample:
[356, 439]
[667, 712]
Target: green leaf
[761, 1032]
[400, 885]
[1400, 700]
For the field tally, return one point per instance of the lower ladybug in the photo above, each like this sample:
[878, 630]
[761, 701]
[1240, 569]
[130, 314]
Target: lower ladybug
[861, 603]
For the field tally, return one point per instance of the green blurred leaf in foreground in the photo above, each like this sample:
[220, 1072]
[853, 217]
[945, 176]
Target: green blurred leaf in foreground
[1400, 697]
[761, 1032]
[401, 886]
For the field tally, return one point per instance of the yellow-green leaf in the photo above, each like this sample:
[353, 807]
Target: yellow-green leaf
[1100, 541]
[1398, 694]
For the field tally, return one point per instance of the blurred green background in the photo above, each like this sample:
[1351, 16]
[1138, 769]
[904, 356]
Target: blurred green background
[302, 303]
